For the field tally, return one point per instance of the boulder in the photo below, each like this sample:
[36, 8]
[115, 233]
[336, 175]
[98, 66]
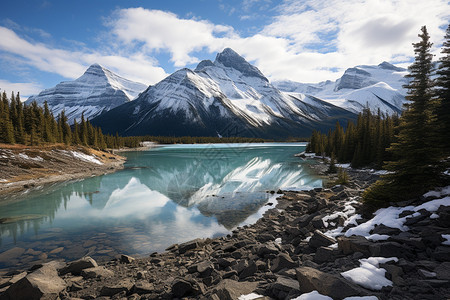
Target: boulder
[283, 287]
[250, 270]
[325, 254]
[326, 284]
[441, 253]
[389, 249]
[126, 259]
[77, 266]
[304, 220]
[96, 272]
[225, 262]
[229, 289]
[385, 230]
[204, 268]
[443, 271]
[184, 288]
[354, 243]
[143, 287]
[43, 283]
[282, 261]
[124, 285]
[267, 249]
[317, 222]
[319, 239]
[183, 248]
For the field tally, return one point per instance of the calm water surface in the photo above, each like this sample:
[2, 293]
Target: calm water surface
[163, 196]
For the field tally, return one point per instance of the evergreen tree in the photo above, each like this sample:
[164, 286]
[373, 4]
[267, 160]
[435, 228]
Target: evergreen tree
[19, 127]
[6, 125]
[83, 131]
[443, 92]
[415, 165]
[76, 133]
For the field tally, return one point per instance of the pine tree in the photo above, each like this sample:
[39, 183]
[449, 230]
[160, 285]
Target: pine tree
[75, 134]
[6, 125]
[83, 131]
[443, 92]
[415, 168]
[19, 127]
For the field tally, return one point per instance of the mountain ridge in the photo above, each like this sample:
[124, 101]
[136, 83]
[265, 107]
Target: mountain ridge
[96, 91]
[215, 96]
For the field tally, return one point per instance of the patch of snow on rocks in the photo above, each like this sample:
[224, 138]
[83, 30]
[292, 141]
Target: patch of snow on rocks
[314, 295]
[447, 237]
[368, 274]
[378, 237]
[86, 157]
[24, 156]
[390, 216]
[348, 214]
[249, 296]
[434, 216]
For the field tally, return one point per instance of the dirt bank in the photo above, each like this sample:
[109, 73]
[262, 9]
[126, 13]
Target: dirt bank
[24, 167]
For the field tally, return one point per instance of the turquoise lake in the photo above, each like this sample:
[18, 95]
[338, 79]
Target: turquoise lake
[169, 194]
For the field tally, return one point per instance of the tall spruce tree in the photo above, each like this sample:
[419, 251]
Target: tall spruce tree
[443, 92]
[415, 167]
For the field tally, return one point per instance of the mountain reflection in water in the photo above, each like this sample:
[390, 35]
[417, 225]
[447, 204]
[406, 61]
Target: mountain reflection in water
[166, 195]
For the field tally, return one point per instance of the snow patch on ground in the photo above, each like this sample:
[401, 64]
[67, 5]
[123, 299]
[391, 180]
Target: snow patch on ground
[86, 157]
[447, 237]
[348, 214]
[378, 237]
[24, 156]
[368, 274]
[249, 296]
[390, 216]
[314, 295]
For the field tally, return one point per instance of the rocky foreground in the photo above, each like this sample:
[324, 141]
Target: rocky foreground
[296, 248]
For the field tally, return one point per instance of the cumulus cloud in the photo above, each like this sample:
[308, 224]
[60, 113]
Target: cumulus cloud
[362, 32]
[26, 89]
[72, 64]
[307, 41]
[160, 30]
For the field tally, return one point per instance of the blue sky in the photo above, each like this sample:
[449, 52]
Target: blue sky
[43, 42]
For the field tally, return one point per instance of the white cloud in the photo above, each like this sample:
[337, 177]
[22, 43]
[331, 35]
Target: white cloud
[72, 64]
[307, 41]
[364, 32]
[160, 30]
[26, 89]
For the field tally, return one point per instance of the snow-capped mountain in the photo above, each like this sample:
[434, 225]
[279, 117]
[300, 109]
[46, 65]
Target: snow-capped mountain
[227, 97]
[96, 91]
[375, 87]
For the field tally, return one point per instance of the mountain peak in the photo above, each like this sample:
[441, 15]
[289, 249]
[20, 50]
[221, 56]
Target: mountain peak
[229, 58]
[388, 66]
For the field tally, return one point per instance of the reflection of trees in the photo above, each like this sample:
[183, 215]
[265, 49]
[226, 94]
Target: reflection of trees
[29, 212]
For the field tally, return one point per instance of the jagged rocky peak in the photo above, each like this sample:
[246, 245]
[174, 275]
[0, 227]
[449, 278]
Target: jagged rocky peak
[95, 70]
[354, 78]
[229, 58]
[204, 64]
[387, 66]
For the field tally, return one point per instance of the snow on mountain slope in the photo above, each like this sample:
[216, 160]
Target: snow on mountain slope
[216, 94]
[96, 91]
[378, 86]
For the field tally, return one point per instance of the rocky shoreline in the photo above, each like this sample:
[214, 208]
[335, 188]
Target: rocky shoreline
[289, 252]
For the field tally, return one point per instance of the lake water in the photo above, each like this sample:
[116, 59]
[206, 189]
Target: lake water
[166, 195]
